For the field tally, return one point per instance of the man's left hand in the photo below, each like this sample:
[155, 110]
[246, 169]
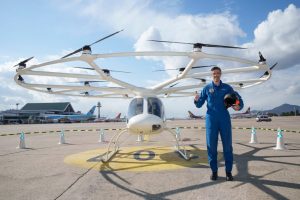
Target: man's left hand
[236, 107]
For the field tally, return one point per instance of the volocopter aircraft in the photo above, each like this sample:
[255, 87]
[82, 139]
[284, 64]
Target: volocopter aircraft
[146, 113]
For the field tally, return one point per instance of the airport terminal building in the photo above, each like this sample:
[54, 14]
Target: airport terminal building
[34, 112]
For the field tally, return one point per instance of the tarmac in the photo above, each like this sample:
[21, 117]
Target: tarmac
[150, 169]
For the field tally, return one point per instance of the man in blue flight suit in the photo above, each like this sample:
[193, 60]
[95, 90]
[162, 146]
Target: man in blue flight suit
[218, 120]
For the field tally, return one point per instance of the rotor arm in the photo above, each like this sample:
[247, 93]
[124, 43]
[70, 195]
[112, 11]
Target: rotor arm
[81, 88]
[228, 71]
[58, 74]
[235, 59]
[178, 77]
[246, 83]
[142, 53]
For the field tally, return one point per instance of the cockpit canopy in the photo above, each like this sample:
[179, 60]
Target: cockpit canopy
[149, 105]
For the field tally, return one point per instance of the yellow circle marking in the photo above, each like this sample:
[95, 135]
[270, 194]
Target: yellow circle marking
[141, 158]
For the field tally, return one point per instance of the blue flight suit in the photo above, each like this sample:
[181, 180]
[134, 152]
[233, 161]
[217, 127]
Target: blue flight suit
[218, 120]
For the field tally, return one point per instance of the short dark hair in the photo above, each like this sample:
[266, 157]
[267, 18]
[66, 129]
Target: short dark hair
[216, 68]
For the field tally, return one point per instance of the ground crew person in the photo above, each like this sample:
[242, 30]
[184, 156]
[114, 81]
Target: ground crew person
[218, 120]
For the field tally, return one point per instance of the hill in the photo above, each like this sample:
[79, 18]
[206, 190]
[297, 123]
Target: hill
[284, 108]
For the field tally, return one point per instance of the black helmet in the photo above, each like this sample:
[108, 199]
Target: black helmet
[230, 99]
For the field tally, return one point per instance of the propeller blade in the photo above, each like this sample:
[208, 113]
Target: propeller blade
[261, 58]
[173, 85]
[202, 66]
[85, 68]
[106, 37]
[105, 70]
[81, 49]
[23, 62]
[195, 67]
[120, 71]
[162, 70]
[165, 41]
[201, 79]
[267, 73]
[76, 51]
[273, 66]
[182, 68]
[85, 93]
[198, 44]
[220, 46]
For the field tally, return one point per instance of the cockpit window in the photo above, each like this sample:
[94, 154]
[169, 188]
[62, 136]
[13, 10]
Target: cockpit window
[155, 107]
[135, 107]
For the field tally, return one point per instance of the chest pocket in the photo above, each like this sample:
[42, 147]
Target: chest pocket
[211, 94]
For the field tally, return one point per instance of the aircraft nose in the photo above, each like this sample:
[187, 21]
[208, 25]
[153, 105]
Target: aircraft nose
[145, 124]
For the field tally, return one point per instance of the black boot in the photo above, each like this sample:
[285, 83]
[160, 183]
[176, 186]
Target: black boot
[229, 176]
[214, 176]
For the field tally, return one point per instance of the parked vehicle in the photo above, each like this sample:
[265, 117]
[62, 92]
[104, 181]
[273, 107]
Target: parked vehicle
[263, 118]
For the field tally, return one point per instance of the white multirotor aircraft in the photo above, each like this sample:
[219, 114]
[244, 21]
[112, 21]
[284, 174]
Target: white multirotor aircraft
[146, 114]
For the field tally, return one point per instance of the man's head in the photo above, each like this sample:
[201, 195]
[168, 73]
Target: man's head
[216, 73]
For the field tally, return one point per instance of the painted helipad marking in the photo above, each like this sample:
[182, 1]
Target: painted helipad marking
[141, 158]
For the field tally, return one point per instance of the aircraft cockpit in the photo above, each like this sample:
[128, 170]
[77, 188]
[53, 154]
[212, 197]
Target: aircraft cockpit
[149, 105]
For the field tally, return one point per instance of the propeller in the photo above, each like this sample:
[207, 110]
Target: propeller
[88, 47]
[23, 63]
[267, 73]
[85, 93]
[261, 58]
[107, 71]
[198, 44]
[203, 80]
[173, 85]
[181, 69]
[20, 78]
[166, 94]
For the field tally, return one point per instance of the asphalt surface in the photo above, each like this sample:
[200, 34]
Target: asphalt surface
[44, 171]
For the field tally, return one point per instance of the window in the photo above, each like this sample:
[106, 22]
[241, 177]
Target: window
[155, 107]
[135, 107]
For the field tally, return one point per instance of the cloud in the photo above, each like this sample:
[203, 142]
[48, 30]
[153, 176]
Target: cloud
[278, 37]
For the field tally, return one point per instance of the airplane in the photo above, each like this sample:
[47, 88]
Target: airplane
[246, 114]
[116, 119]
[146, 114]
[192, 116]
[70, 118]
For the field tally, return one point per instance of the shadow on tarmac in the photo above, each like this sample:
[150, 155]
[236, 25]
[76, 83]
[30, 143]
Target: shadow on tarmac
[243, 177]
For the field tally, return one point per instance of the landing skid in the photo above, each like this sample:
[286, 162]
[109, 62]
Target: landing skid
[182, 151]
[114, 143]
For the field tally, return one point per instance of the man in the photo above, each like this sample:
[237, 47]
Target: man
[218, 120]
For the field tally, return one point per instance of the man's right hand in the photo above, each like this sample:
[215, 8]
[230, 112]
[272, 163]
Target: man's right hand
[197, 97]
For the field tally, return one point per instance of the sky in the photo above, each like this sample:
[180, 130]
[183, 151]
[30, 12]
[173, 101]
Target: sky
[53, 28]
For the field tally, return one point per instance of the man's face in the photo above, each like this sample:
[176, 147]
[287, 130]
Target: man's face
[216, 75]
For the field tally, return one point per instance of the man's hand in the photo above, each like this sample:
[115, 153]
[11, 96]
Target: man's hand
[196, 97]
[236, 107]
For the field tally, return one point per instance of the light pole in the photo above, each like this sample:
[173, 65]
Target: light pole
[17, 104]
[99, 106]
